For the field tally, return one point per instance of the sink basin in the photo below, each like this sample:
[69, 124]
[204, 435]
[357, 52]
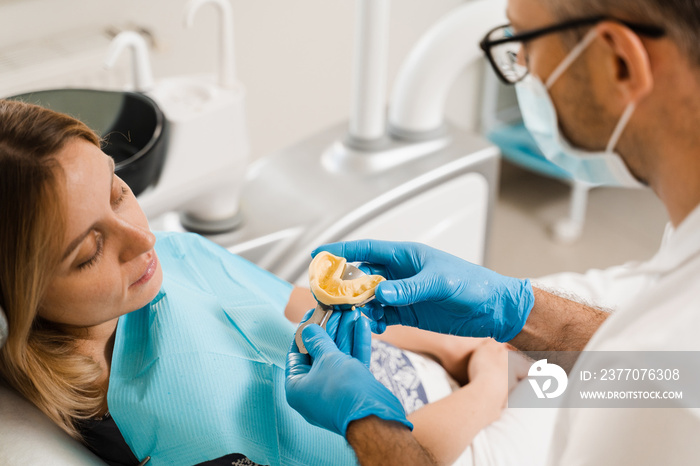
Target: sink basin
[132, 127]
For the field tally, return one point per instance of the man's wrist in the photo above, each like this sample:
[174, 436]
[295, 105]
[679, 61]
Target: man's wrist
[558, 324]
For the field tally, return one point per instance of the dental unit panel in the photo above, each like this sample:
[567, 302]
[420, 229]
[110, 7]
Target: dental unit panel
[428, 219]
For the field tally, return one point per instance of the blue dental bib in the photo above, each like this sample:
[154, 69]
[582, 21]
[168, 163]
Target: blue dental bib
[199, 372]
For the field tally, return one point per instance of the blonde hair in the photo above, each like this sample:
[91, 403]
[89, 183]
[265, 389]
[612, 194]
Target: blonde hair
[38, 359]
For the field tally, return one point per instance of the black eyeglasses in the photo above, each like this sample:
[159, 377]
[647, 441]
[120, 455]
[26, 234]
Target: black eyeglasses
[502, 46]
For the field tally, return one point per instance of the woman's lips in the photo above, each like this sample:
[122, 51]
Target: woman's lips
[149, 272]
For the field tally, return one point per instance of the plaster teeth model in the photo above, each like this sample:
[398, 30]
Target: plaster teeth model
[328, 286]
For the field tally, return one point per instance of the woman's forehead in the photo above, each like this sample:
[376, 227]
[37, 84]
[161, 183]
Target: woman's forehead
[82, 160]
[87, 182]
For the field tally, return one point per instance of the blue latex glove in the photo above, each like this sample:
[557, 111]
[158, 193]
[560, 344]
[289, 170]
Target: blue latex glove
[337, 387]
[436, 291]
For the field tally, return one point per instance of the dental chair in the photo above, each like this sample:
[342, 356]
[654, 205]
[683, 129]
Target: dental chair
[27, 436]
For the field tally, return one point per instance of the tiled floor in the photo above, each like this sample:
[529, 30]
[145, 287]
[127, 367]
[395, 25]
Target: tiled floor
[621, 225]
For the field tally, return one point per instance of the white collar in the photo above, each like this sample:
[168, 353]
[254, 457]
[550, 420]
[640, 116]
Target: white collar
[679, 245]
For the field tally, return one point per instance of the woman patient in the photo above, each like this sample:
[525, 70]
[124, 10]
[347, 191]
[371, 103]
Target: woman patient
[169, 346]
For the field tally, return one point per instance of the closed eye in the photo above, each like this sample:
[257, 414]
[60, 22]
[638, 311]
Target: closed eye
[122, 195]
[98, 252]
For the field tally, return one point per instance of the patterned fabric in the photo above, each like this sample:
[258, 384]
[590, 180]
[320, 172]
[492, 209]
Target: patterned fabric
[394, 370]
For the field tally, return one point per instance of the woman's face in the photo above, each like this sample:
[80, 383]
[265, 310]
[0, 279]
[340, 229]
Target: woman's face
[109, 266]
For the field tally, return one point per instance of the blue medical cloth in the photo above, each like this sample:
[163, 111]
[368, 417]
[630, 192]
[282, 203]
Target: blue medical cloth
[519, 147]
[199, 372]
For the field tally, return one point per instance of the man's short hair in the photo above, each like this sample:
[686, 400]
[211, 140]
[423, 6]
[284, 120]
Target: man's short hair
[679, 18]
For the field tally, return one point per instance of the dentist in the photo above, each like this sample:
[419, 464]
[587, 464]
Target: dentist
[610, 89]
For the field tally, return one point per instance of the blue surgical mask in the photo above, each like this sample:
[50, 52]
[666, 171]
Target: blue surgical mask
[540, 118]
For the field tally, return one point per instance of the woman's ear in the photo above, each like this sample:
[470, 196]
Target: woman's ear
[626, 62]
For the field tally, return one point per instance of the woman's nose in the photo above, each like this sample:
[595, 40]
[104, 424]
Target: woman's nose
[136, 240]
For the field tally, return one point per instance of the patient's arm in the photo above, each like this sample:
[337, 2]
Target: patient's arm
[446, 427]
[452, 352]
[300, 301]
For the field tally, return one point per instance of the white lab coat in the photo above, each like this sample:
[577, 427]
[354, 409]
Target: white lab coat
[656, 307]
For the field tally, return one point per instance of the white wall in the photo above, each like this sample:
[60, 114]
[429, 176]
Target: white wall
[293, 56]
